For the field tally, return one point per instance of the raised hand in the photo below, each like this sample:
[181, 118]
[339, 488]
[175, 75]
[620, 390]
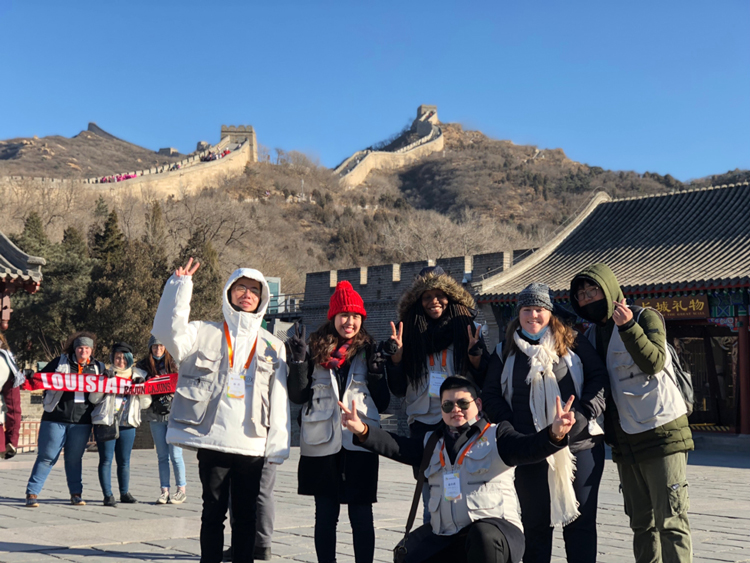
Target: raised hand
[188, 270]
[564, 419]
[474, 338]
[622, 313]
[394, 347]
[297, 347]
[350, 419]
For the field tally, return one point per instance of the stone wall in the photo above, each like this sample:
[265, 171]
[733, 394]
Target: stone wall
[239, 134]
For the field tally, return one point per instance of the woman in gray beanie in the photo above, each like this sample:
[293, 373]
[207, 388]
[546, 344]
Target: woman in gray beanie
[523, 382]
[159, 362]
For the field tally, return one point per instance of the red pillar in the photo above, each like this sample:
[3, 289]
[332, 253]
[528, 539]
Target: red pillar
[744, 374]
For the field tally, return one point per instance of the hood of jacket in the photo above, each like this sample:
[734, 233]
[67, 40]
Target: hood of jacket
[604, 277]
[455, 292]
[239, 322]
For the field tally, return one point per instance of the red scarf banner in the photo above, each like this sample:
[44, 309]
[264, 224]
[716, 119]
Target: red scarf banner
[92, 383]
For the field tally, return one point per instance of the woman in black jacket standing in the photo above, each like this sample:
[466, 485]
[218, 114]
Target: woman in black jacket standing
[341, 366]
[540, 365]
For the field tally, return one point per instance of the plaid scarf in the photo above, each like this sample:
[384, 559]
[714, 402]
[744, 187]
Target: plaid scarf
[338, 356]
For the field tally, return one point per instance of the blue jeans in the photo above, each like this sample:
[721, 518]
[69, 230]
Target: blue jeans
[53, 438]
[120, 450]
[166, 451]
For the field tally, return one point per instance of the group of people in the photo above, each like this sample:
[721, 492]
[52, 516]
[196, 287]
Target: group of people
[546, 399]
[211, 155]
[70, 416]
[117, 178]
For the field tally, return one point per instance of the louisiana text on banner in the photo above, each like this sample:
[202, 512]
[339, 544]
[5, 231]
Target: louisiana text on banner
[90, 383]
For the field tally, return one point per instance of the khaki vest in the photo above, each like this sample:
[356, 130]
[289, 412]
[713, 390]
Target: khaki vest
[487, 489]
[322, 433]
[419, 405]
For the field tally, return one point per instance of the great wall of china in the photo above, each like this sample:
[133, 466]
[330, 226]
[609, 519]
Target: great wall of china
[191, 173]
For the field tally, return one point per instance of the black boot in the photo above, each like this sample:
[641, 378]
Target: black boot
[110, 501]
[128, 498]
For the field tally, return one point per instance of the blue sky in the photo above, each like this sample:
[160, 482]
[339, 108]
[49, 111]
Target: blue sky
[658, 86]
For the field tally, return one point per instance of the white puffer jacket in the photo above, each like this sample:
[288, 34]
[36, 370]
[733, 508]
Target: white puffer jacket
[203, 413]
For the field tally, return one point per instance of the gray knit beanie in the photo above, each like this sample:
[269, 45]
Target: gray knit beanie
[153, 340]
[535, 295]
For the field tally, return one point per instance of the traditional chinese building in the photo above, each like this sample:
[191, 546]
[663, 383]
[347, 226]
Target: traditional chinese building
[18, 272]
[686, 254]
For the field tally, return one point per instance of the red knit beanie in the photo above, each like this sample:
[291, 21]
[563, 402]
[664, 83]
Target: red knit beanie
[345, 300]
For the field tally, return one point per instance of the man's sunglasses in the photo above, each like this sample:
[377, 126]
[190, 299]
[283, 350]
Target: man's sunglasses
[463, 404]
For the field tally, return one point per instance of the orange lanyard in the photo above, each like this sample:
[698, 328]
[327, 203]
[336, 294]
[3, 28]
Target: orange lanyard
[231, 352]
[466, 451]
[443, 360]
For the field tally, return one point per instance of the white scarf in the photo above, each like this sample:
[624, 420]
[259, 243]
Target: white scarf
[543, 393]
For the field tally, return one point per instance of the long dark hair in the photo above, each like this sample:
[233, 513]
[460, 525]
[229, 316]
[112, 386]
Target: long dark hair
[326, 339]
[417, 348]
[70, 347]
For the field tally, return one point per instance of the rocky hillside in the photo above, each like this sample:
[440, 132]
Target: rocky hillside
[88, 154]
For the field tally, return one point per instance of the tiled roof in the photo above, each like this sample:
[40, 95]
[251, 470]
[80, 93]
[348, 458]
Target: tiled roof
[17, 267]
[684, 241]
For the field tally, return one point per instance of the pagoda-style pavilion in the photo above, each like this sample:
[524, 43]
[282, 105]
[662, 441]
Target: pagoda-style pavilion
[686, 254]
[18, 272]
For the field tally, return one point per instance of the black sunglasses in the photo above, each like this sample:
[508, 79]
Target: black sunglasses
[463, 404]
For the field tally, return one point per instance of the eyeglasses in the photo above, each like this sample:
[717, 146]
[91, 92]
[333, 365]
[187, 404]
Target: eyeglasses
[589, 293]
[463, 404]
[242, 289]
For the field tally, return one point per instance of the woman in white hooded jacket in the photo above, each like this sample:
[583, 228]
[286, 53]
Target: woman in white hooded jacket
[230, 403]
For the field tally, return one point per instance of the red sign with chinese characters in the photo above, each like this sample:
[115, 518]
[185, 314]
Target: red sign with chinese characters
[683, 307]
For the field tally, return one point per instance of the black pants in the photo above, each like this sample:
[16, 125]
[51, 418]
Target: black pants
[221, 472]
[327, 511]
[533, 494]
[479, 542]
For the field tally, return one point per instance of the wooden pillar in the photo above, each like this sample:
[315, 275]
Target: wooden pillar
[744, 374]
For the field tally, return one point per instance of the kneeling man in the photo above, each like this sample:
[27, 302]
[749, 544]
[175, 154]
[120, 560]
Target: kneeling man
[473, 504]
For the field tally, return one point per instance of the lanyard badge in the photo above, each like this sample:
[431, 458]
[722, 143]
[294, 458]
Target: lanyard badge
[236, 384]
[437, 377]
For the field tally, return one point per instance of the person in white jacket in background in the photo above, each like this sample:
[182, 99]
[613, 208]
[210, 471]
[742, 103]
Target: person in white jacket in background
[230, 403]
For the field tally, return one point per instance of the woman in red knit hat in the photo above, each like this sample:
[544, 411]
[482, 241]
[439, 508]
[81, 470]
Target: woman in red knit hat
[340, 364]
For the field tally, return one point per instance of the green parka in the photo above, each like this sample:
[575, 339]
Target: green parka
[645, 341]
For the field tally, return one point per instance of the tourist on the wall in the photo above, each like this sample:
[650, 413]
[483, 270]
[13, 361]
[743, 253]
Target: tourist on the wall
[646, 418]
[11, 379]
[469, 475]
[546, 359]
[159, 362]
[230, 403]
[436, 338]
[66, 421]
[115, 419]
[341, 365]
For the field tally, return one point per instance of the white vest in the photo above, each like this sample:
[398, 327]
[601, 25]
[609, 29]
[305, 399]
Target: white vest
[643, 401]
[322, 433]
[420, 406]
[487, 489]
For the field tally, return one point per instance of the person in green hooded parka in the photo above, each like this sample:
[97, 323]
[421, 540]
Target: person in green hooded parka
[645, 420]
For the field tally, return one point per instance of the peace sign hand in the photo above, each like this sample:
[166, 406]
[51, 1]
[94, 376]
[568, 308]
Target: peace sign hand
[350, 419]
[564, 419]
[474, 337]
[622, 313]
[297, 347]
[394, 346]
[188, 270]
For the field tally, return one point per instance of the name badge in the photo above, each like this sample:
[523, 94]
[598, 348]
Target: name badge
[452, 486]
[236, 389]
[436, 380]
[79, 397]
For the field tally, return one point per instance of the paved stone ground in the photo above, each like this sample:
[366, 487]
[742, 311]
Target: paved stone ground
[57, 531]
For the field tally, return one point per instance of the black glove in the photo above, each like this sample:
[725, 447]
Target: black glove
[377, 361]
[388, 347]
[477, 349]
[162, 404]
[296, 343]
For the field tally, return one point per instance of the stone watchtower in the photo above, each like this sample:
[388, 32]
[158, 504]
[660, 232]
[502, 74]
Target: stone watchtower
[239, 134]
[427, 116]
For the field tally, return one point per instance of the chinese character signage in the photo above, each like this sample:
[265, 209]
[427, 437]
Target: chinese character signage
[684, 307]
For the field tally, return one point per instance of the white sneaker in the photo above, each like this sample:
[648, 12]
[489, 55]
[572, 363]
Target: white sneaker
[178, 498]
[163, 498]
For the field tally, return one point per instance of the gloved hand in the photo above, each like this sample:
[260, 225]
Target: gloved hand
[377, 361]
[162, 404]
[475, 341]
[296, 343]
[388, 347]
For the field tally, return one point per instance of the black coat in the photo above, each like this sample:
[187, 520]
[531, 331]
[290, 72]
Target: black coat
[589, 406]
[514, 449]
[349, 477]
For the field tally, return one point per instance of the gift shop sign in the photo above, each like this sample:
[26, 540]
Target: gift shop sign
[683, 307]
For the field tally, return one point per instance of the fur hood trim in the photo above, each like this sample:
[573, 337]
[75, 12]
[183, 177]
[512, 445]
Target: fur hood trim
[455, 292]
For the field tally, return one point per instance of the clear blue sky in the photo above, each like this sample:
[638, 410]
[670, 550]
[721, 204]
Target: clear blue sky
[640, 85]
